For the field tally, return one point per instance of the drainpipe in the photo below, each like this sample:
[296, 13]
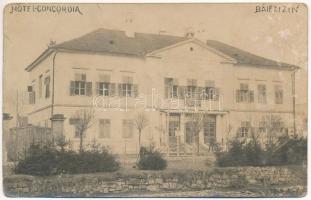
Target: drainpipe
[53, 87]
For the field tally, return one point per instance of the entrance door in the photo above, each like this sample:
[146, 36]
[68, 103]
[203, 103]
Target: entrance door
[209, 129]
[188, 133]
[174, 122]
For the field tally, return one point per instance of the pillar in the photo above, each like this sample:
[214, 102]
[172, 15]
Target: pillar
[182, 128]
[219, 129]
[58, 125]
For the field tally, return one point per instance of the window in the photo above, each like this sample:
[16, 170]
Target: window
[244, 95]
[127, 88]
[32, 95]
[278, 92]
[191, 88]
[47, 86]
[171, 88]
[104, 128]
[263, 127]
[104, 87]
[77, 132]
[210, 91]
[128, 127]
[262, 97]
[245, 129]
[79, 86]
[40, 86]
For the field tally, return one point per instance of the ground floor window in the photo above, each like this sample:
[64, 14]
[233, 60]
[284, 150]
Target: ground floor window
[104, 128]
[128, 128]
[245, 129]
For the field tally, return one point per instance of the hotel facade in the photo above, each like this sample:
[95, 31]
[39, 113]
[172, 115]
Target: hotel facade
[168, 78]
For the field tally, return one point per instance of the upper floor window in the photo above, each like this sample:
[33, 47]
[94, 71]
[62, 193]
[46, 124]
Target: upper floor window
[171, 88]
[40, 86]
[128, 128]
[104, 128]
[104, 87]
[127, 88]
[244, 94]
[47, 86]
[32, 95]
[191, 88]
[278, 94]
[80, 86]
[262, 97]
[210, 91]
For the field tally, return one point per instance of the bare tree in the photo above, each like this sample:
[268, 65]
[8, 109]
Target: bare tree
[140, 122]
[196, 125]
[83, 121]
[273, 125]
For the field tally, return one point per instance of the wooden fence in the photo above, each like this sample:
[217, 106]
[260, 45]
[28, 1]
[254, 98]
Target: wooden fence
[20, 139]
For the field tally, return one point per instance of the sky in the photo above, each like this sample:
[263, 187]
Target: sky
[278, 36]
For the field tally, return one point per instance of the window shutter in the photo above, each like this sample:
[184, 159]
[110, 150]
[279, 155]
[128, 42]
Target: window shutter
[72, 88]
[135, 90]
[120, 89]
[251, 96]
[97, 88]
[238, 95]
[216, 95]
[89, 88]
[112, 89]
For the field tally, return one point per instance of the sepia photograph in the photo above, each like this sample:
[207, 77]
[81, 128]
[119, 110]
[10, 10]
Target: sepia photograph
[155, 100]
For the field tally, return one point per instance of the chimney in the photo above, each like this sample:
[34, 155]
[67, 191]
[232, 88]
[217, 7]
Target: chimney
[189, 34]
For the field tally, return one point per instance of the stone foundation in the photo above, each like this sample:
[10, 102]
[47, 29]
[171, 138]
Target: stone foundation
[264, 181]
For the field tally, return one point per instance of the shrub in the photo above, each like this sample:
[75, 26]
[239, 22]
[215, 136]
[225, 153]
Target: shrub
[288, 150]
[150, 159]
[44, 161]
[40, 161]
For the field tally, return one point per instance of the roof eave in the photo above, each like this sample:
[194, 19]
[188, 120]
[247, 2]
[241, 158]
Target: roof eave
[279, 67]
[38, 60]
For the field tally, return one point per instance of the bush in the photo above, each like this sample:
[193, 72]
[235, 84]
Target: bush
[41, 161]
[288, 150]
[150, 159]
[44, 161]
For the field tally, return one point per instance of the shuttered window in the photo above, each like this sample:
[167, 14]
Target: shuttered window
[47, 86]
[244, 95]
[127, 88]
[278, 93]
[245, 129]
[80, 87]
[171, 88]
[262, 96]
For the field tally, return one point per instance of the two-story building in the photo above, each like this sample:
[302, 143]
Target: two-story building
[169, 78]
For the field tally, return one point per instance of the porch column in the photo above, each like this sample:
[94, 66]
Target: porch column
[219, 129]
[182, 128]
